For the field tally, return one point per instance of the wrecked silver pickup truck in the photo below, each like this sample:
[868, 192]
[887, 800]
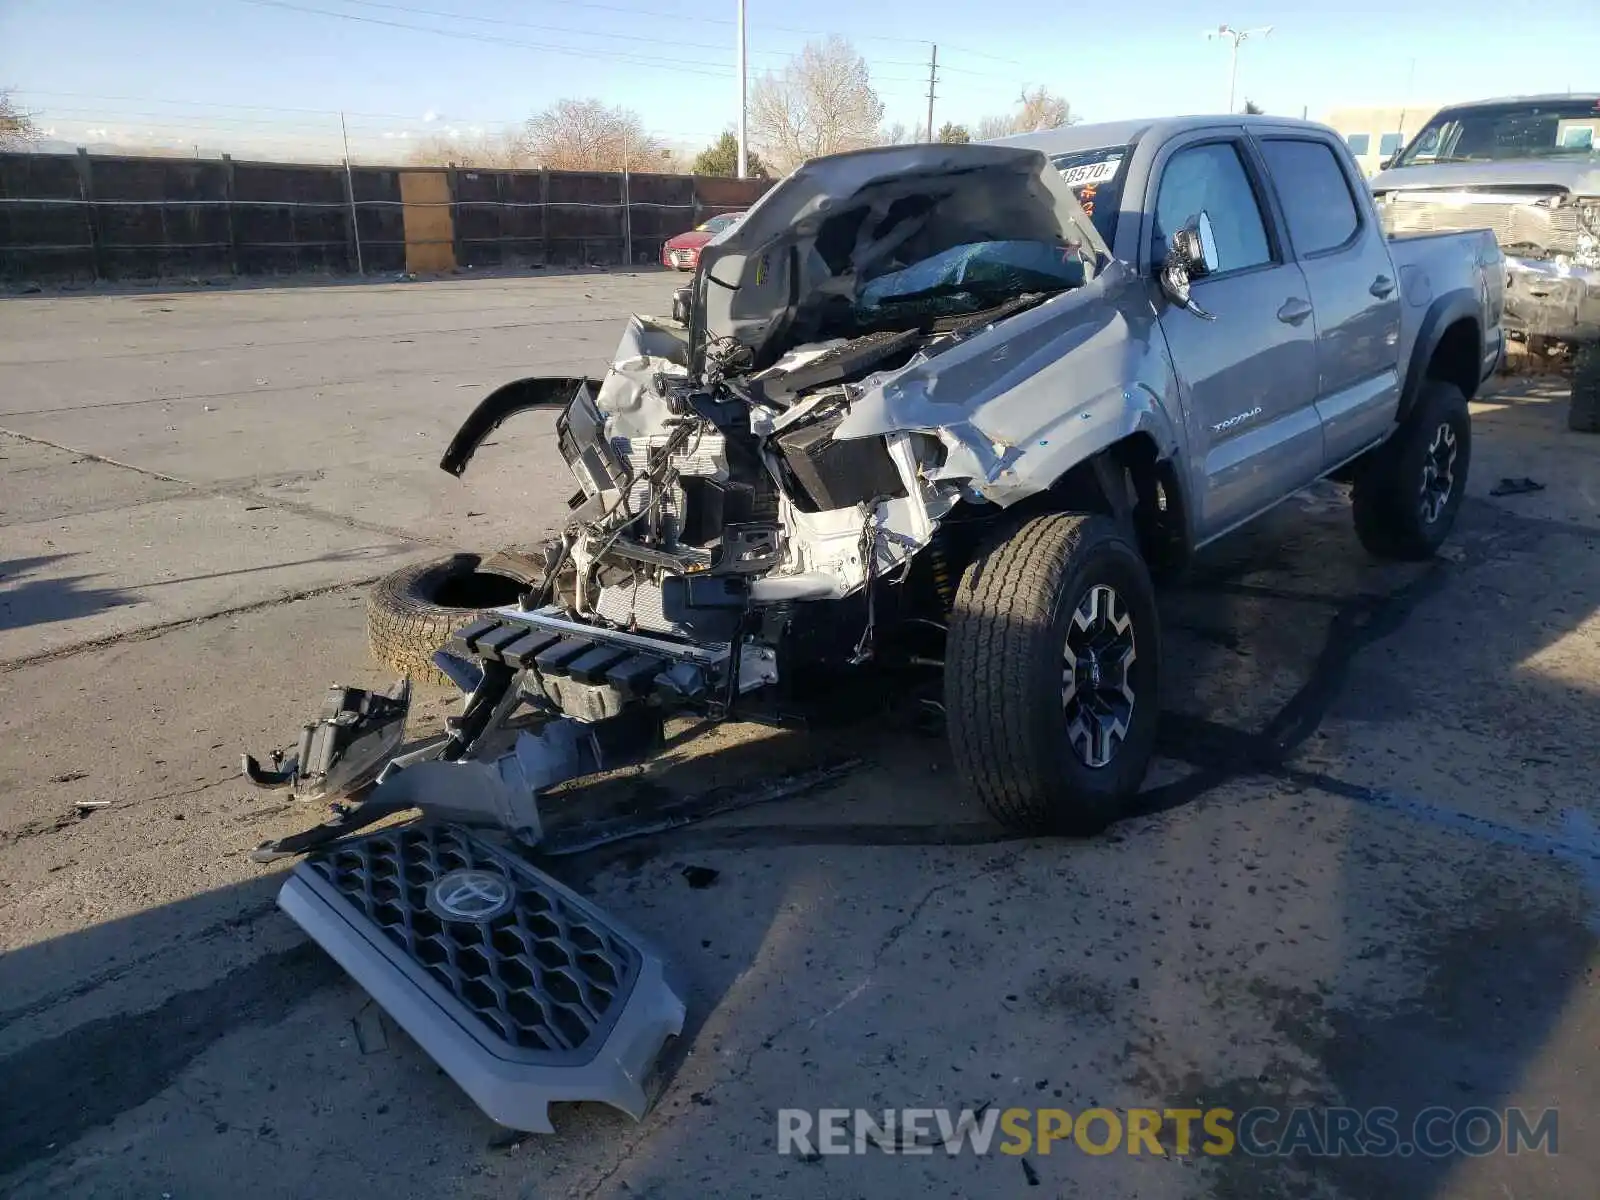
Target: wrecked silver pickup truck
[977, 391]
[1527, 168]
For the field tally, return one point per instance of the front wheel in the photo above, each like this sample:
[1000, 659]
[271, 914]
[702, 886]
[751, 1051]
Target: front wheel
[1406, 493]
[1052, 674]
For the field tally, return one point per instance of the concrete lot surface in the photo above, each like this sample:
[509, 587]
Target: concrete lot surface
[1363, 873]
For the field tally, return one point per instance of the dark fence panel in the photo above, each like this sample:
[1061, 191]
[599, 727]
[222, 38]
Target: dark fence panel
[288, 219]
[44, 222]
[66, 217]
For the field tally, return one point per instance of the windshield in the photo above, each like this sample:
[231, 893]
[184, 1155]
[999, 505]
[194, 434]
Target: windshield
[718, 224]
[1096, 178]
[1502, 132]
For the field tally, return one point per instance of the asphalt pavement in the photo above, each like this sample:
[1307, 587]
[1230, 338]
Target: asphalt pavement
[1362, 876]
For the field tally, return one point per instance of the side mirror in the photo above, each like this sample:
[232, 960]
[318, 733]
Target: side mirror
[1192, 255]
[1386, 163]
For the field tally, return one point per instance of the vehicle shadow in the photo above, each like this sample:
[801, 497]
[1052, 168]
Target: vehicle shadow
[25, 601]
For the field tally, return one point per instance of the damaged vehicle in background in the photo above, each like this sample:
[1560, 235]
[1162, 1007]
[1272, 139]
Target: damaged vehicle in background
[1527, 168]
[967, 396]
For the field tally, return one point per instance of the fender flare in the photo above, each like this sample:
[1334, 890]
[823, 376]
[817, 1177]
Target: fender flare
[1445, 311]
[500, 405]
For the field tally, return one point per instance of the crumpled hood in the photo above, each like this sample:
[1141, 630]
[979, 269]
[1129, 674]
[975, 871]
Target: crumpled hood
[1578, 175]
[830, 225]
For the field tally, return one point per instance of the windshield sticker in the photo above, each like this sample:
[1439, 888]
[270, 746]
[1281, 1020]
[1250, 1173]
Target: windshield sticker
[1089, 174]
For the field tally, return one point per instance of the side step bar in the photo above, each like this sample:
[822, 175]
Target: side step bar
[523, 991]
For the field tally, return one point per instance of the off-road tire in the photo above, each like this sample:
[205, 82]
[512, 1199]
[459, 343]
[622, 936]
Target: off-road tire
[1004, 694]
[1387, 492]
[1583, 412]
[413, 612]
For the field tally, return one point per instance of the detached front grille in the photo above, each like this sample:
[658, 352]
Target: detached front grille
[543, 976]
[1515, 222]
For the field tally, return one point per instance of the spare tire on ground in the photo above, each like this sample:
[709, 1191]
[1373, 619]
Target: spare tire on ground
[413, 612]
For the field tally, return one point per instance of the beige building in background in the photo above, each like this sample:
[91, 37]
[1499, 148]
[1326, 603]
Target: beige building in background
[1375, 133]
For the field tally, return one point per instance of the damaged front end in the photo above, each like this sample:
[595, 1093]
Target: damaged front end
[753, 485]
[1527, 170]
[752, 459]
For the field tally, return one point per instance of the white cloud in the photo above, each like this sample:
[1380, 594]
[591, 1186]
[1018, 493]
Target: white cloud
[430, 115]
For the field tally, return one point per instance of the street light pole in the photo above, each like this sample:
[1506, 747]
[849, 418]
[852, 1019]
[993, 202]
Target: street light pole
[1235, 36]
[744, 146]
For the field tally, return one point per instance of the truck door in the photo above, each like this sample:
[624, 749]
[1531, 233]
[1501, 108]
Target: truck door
[1248, 377]
[1354, 289]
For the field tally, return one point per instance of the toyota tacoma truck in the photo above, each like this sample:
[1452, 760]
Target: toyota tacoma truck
[1527, 168]
[972, 394]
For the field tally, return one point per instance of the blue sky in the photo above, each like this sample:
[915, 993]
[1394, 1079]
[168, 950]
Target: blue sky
[224, 73]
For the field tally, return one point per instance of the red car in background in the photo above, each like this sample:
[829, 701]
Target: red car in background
[682, 253]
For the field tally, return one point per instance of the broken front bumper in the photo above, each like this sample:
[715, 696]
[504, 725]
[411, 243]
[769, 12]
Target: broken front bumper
[1547, 299]
[522, 991]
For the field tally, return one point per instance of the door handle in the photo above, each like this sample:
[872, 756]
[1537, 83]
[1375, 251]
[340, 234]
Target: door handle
[1381, 286]
[1294, 311]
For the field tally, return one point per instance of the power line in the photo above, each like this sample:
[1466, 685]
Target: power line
[502, 21]
[696, 66]
[710, 20]
[700, 68]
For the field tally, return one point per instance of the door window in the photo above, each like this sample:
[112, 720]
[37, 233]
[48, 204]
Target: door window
[1316, 198]
[1212, 178]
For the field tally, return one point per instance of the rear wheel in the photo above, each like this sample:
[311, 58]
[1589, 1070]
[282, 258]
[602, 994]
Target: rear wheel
[1406, 493]
[1583, 416]
[413, 612]
[1052, 673]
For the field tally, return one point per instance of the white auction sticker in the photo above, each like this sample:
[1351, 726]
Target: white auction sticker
[1088, 173]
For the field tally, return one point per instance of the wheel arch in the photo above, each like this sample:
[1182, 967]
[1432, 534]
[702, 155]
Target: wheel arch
[1134, 481]
[1449, 347]
[505, 402]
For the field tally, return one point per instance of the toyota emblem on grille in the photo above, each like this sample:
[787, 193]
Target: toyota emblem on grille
[470, 896]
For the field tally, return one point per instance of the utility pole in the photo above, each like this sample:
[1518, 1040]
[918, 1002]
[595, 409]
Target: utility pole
[933, 78]
[1236, 36]
[744, 145]
[350, 194]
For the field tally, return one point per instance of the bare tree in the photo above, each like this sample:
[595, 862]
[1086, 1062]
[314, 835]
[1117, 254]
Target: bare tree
[822, 103]
[17, 127]
[492, 153]
[1036, 109]
[897, 135]
[585, 135]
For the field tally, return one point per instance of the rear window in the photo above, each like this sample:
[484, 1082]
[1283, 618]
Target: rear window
[1096, 178]
[1315, 193]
